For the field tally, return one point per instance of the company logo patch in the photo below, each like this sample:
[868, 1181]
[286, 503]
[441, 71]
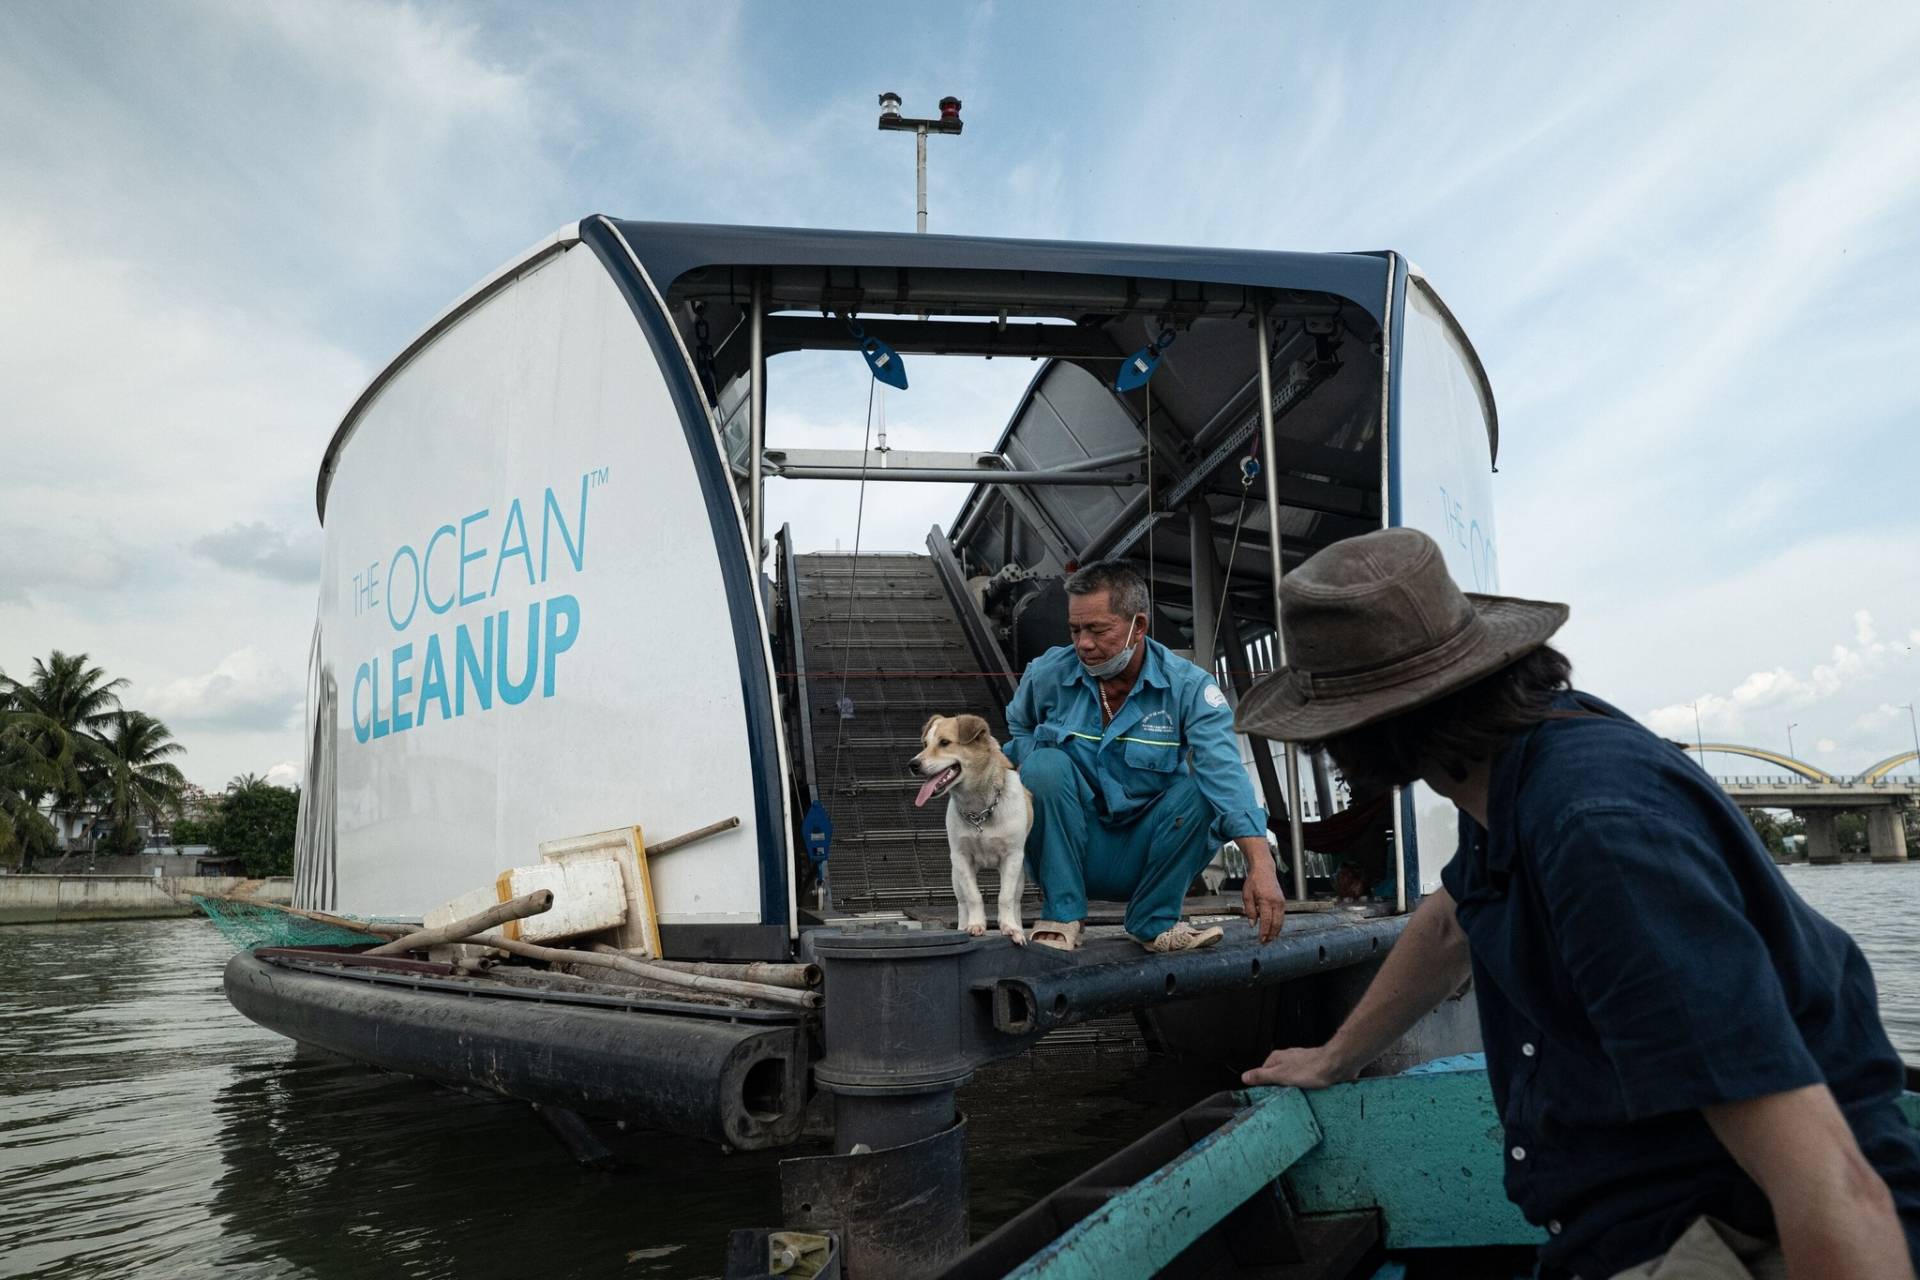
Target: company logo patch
[1157, 722]
[1215, 698]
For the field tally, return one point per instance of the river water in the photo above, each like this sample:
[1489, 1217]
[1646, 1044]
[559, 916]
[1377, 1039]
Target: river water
[148, 1130]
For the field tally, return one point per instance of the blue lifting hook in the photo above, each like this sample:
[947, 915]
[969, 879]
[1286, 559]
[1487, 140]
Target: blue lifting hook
[1138, 367]
[880, 357]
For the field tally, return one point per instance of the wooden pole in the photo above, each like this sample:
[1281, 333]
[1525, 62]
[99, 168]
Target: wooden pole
[674, 842]
[800, 977]
[520, 908]
[613, 958]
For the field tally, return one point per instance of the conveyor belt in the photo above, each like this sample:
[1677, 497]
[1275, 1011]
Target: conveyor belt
[891, 628]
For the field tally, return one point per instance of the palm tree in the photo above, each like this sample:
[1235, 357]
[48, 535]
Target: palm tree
[70, 701]
[243, 784]
[138, 780]
[26, 775]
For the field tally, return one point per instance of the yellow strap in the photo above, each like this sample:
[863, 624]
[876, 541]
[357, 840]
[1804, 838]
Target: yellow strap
[503, 890]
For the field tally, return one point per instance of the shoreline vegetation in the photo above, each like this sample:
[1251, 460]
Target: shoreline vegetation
[83, 775]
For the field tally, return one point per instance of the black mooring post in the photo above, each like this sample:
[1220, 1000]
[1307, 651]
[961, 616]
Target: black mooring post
[895, 1188]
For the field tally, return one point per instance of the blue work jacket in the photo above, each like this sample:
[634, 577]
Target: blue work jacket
[1637, 956]
[1175, 719]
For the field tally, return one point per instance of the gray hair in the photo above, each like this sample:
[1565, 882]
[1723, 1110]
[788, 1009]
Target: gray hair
[1126, 589]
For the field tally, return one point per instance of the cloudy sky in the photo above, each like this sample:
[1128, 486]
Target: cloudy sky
[1685, 238]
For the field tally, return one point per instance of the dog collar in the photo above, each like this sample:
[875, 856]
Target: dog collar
[979, 819]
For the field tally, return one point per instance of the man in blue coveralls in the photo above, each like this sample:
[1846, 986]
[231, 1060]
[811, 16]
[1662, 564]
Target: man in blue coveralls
[1129, 753]
[1687, 1059]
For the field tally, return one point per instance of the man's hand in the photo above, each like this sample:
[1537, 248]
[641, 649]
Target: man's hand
[1266, 905]
[1303, 1068]
[1426, 965]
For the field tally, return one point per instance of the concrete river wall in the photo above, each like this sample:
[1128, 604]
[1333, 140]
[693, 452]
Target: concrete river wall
[48, 899]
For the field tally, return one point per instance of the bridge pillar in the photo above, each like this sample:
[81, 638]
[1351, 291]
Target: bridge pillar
[1886, 835]
[1823, 842]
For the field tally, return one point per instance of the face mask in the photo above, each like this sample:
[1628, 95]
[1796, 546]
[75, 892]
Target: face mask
[1116, 664]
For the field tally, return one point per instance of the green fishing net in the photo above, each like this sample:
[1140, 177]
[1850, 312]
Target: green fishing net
[252, 925]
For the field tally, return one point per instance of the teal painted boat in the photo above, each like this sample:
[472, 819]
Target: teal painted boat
[1394, 1178]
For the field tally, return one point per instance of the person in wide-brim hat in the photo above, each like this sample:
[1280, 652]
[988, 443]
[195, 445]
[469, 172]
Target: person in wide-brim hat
[1688, 1059]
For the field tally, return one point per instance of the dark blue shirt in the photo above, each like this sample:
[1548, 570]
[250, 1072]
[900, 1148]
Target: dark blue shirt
[1638, 956]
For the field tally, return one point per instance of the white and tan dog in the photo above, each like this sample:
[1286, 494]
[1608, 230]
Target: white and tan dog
[988, 815]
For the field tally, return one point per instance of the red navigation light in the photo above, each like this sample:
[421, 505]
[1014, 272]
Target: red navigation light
[950, 109]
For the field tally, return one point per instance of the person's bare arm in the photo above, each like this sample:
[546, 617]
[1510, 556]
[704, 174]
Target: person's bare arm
[1426, 965]
[1834, 1213]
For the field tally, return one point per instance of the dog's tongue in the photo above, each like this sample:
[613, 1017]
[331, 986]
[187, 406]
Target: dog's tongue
[932, 785]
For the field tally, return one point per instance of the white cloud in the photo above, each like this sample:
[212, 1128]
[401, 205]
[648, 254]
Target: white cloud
[1758, 706]
[1883, 716]
[284, 774]
[1863, 627]
[248, 689]
[267, 550]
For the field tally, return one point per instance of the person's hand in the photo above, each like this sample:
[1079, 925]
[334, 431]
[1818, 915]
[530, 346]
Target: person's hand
[1303, 1068]
[1266, 906]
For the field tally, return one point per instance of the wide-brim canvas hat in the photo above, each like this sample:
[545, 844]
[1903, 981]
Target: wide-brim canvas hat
[1375, 626]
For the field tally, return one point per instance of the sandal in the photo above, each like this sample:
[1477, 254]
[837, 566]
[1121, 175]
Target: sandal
[1183, 937]
[1061, 935]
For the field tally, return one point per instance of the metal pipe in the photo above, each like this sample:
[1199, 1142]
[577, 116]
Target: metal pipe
[1103, 460]
[757, 418]
[1201, 563]
[1027, 1003]
[1271, 473]
[1386, 520]
[960, 475]
[920, 179]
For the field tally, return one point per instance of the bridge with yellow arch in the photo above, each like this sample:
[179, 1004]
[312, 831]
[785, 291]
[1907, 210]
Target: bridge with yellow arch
[1817, 797]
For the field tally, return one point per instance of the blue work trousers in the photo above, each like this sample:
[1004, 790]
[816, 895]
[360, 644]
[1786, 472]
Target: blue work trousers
[1146, 860]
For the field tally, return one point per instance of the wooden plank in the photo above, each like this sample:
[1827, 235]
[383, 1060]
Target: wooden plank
[1146, 1226]
[1426, 1150]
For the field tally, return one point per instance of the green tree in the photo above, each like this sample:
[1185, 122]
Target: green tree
[138, 779]
[69, 701]
[189, 831]
[1767, 827]
[256, 824]
[27, 773]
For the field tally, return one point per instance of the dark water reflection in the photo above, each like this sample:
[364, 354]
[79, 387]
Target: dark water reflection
[148, 1130]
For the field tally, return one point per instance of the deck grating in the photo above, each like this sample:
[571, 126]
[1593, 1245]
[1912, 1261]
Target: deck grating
[887, 635]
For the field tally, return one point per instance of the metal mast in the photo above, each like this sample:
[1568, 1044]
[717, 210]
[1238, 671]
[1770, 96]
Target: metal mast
[947, 122]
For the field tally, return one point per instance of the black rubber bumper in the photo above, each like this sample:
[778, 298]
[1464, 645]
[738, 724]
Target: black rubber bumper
[736, 1077]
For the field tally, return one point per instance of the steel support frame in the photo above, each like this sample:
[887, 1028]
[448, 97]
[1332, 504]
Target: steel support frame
[958, 475]
[1270, 450]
